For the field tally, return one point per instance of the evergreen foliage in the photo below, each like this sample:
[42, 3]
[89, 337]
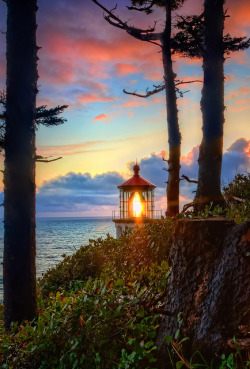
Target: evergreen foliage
[45, 116]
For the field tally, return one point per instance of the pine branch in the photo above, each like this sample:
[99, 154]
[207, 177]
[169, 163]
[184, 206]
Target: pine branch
[189, 40]
[50, 117]
[141, 34]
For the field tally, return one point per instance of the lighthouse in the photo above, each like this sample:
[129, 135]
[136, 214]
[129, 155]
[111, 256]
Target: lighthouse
[136, 203]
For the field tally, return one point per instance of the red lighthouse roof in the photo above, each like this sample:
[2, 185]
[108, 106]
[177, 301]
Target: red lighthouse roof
[136, 180]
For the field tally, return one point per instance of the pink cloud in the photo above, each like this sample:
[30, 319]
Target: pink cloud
[190, 157]
[91, 98]
[93, 50]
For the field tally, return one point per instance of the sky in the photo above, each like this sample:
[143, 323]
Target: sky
[86, 63]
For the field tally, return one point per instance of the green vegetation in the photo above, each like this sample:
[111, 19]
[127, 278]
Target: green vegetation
[101, 307]
[237, 195]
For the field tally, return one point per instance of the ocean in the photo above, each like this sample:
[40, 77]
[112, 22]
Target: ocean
[58, 236]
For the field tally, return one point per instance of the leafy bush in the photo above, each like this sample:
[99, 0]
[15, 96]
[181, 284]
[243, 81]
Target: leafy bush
[237, 195]
[239, 187]
[112, 258]
[96, 325]
[101, 308]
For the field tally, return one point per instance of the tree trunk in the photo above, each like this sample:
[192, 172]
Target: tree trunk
[209, 284]
[174, 136]
[19, 174]
[212, 107]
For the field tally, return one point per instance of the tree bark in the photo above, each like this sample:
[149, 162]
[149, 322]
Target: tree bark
[19, 174]
[209, 284]
[212, 107]
[174, 136]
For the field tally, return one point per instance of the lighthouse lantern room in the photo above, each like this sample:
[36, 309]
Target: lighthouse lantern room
[136, 203]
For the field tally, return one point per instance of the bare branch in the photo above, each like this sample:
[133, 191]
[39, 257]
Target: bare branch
[179, 83]
[141, 34]
[148, 93]
[41, 159]
[160, 88]
[187, 179]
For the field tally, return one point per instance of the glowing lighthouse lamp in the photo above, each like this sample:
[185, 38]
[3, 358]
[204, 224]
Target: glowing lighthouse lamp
[136, 203]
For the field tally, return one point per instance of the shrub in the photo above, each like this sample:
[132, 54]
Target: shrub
[111, 258]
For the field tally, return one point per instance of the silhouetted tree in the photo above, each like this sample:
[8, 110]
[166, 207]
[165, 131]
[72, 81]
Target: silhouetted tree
[202, 36]
[170, 84]
[17, 131]
[19, 174]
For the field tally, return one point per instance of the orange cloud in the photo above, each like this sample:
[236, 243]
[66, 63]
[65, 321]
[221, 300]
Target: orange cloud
[154, 76]
[137, 102]
[125, 69]
[247, 149]
[62, 150]
[134, 104]
[241, 91]
[101, 117]
[237, 109]
[162, 154]
[239, 12]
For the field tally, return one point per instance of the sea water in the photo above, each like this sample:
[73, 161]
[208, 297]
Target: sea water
[58, 236]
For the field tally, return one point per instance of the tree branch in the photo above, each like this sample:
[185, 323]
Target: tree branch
[141, 34]
[187, 206]
[148, 92]
[50, 117]
[41, 159]
[160, 88]
[187, 179]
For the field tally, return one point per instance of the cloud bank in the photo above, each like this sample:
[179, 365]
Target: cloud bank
[81, 193]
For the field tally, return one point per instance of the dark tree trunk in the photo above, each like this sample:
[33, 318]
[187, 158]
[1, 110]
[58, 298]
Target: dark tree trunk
[209, 284]
[174, 136]
[19, 174]
[212, 107]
